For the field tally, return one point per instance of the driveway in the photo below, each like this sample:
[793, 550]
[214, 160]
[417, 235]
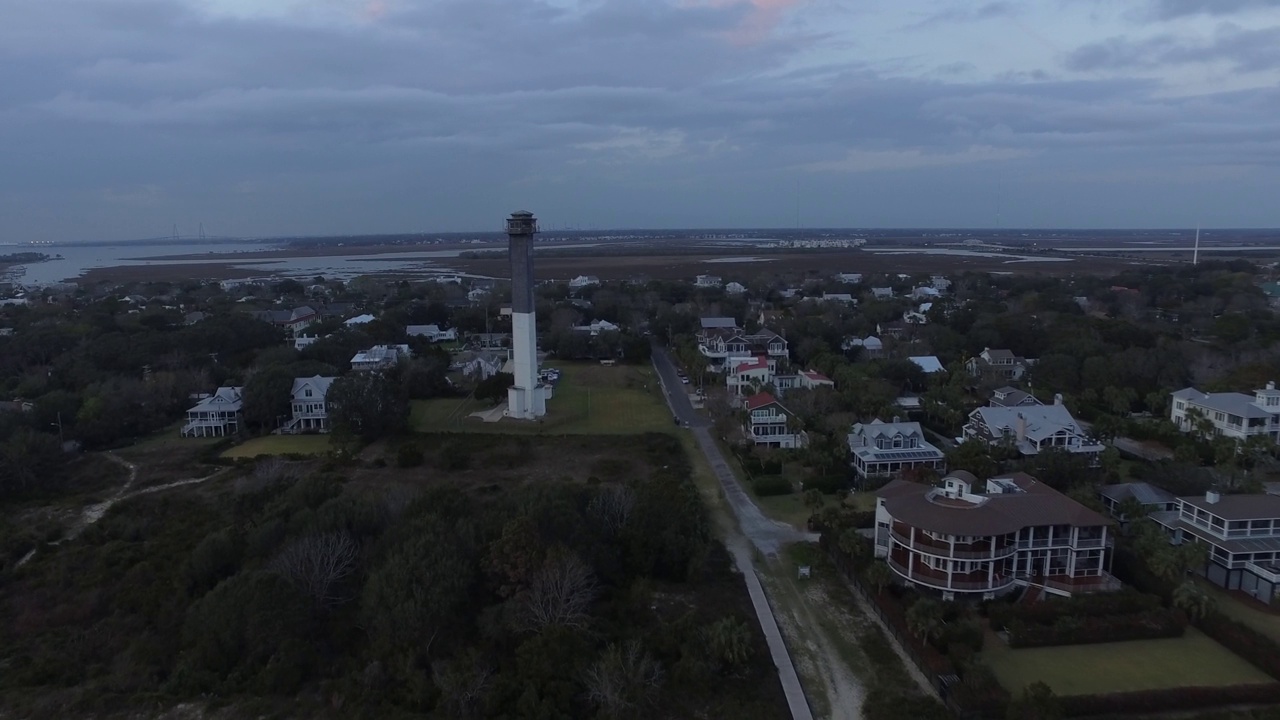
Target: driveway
[767, 535]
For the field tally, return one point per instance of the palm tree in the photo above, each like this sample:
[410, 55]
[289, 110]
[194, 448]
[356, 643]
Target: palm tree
[1192, 556]
[878, 576]
[925, 619]
[1165, 563]
[1193, 600]
[1130, 509]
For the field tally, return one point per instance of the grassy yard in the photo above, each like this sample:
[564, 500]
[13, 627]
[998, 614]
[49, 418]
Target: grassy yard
[171, 437]
[1241, 611]
[791, 509]
[1191, 660]
[588, 400]
[280, 445]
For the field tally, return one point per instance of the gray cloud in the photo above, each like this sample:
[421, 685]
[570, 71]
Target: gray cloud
[1168, 9]
[122, 117]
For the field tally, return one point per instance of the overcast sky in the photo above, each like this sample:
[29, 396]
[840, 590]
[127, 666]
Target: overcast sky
[120, 118]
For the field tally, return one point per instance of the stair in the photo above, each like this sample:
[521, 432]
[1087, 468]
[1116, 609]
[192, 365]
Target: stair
[1032, 594]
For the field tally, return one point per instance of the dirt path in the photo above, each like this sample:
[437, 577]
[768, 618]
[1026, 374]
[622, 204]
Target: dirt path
[93, 513]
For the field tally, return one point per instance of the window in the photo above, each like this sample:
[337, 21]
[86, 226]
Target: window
[1218, 416]
[1179, 405]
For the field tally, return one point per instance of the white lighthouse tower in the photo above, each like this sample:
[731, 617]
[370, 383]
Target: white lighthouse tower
[527, 398]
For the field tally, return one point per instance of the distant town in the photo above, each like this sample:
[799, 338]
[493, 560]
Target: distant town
[744, 489]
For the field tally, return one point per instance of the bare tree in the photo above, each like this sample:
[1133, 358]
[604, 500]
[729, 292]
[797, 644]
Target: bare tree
[559, 593]
[623, 679]
[463, 683]
[317, 565]
[266, 473]
[612, 506]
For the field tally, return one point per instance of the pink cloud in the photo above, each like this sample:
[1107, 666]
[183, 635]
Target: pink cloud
[761, 20]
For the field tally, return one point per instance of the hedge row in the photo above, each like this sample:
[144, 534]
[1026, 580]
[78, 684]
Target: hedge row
[1155, 701]
[1244, 641]
[1076, 630]
[769, 485]
[1125, 602]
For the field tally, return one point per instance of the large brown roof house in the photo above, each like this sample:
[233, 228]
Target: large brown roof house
[1017, 532]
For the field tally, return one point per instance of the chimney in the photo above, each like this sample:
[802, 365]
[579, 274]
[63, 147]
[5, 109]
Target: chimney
[1057, 398]
[1212, 497]
[1021, 428]
[1271, 385]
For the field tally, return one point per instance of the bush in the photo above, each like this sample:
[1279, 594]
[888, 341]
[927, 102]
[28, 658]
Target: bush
[1079, 630]
[1124, 602]
[828, 484]
[409, 455]
[770, 485]
[1244, 641]
[1155, 701]
[453, 456]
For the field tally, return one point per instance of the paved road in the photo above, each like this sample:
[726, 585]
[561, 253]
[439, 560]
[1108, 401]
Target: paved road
[765, 534]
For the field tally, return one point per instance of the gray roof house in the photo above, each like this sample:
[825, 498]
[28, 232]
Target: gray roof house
[881, 448]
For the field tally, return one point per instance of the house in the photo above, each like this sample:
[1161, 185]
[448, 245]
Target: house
[917, 317]
[768, 423]
[1242, 533]
[303, 341]
[707, 281]
[882, 293]
[930, 364]
[193, 317]
[735, 288]
[432, 333]
[490, 341]
[746, 376]
[295, 320]
[1032, 429]
[1000, 363]
[364, 319]
[894, 329]
[940, 283]
[872, 347]
[216, 415]
[1150, 497]
[380, 357]
[716, 323]
[850, 278]
[717, 342]
[975, 540]
[310, 405]
[477, 295]
[596, 327]
[1230, 414]
[1011, 397]
[481, 365]
[925, 293]
[881, 448]
[19, 405]
[812, 380]
[583, 281]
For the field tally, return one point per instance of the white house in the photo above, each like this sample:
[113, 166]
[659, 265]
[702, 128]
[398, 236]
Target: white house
[882, 293]
[295, 320]
[767, 423]
[380, 357]
[719, 342]
[844, 298]
[735, 288]
[476, 295]
[216, 415]
[851, 278]
[432, 333]
[925, 293]
[303, 341]
[1032, 429]
[310, 405]
[1241, 533]
[872, 346]
[940, 283]
[1234, 415]
[596, 327]
[708, 281]
[583, 281]
[881, 448]
[364, 319]
[998, 362]
[746, 376]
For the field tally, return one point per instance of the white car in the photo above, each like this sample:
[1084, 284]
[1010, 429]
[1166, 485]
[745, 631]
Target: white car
[684, 380]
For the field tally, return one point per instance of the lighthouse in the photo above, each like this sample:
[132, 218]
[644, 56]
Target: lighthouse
[527, 398]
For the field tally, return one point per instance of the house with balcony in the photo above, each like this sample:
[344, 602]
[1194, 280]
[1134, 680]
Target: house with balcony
[216, 415]
[997, 363]
[973, 540]
[380, 357]
[433, 333]
[309, 398]
[1149, 497]
[768, 423]
[1032, 429]
[708, 281]
[1230, 414]
[747, 376]
[294, 321]
[879, 449]
[584, 281]
[1242, 533]
[718, 342]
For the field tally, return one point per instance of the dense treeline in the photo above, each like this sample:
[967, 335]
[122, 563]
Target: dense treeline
[544, 601]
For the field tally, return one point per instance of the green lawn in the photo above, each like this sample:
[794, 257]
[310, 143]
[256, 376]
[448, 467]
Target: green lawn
[170, 437]
[280, 445]
[588, 400]
[1191, 660]
[1241, 611]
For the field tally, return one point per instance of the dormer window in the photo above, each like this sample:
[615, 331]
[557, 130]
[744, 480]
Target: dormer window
[897, 441]
[308, 392]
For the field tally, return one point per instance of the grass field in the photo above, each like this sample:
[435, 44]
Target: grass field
[588, 400]
[1233, 607]
[1188, 661]
[171, 437]
[280, 445]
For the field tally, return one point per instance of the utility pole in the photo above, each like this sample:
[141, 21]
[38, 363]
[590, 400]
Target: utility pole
[62, 440]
